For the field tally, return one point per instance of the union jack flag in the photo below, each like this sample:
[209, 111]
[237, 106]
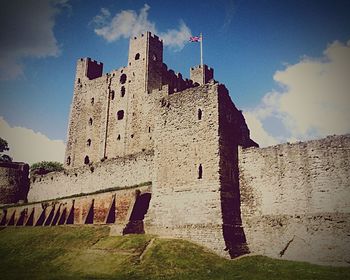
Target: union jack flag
[195, 39]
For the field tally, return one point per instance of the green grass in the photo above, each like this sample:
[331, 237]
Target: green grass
[88, 252]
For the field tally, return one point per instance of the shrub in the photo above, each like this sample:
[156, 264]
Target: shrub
[45, 167]
[5, 158]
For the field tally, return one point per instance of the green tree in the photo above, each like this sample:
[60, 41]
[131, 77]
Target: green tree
[45, 167]
[3, 145]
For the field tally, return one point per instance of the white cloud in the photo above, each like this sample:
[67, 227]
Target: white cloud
[26, 30]
[257, 131]
[176, 38]
[128, 23]
[29, 146]
[314, 99]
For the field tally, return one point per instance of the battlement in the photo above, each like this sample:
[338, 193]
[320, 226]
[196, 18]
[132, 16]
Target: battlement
[174, 80]
[200, 67]
[91, 69]
[149, 35]
[201, 74]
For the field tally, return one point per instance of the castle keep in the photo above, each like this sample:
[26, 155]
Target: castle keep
[149, 151]
[115, 115]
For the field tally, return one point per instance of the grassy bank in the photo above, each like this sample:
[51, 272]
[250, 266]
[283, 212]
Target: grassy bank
[64, 252]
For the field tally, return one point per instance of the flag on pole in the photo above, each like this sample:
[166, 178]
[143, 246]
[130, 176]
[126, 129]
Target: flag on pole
[198, 39]
[195, 39]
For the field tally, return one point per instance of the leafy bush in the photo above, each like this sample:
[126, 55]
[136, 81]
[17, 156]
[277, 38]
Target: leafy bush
[5, 158]
[45, 167]
[3, 145]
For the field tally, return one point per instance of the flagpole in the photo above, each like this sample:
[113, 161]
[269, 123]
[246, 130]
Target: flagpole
[201, 49]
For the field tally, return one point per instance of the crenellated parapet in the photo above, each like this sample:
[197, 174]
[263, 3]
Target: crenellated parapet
[174, 80]
[201, 74]
[88, 68]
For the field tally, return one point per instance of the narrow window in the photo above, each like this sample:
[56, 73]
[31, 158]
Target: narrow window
[149, 129]
[92, 101]
[118, 138]
[199, 114]
[68, 160]
[88, 142]
[120, 115]
[122, 91]
[78, 80]
[90, 121]
[200, 172]
[111, 95]
[137, 56]
[123, 79]
[86, 160]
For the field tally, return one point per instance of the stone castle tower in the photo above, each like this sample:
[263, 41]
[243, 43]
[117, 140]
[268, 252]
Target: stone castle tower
[113, 115]
[190, 127]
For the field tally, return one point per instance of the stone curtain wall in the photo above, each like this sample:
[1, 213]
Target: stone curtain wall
[295, 200]
[118, 172]
[14, 182]
[112, 207]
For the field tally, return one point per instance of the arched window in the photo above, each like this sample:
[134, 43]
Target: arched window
[90, 121]
[86, 160]
[122, 91]
[120, 114]
[122, 79]
[200, 172]
[88, 142]
[118, 138]
[199, 114]
[68, 160]
[137, 56]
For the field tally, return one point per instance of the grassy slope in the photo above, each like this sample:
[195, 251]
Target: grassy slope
[89, 253]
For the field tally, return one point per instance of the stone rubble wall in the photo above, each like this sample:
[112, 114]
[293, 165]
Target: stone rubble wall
[14, 182]
[119, 172]
[295, 200]
[184, 205]
[112, 207]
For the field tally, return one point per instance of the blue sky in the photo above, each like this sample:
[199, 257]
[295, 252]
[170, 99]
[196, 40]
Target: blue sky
[261, 50]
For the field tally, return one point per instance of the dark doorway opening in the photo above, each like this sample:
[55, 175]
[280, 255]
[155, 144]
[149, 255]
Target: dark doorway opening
[138, 213]
[30, 221]
[20, 221]
[110, 219]
[50, 217]
[70, 219]
[90, 216]
[12, 219]
[41, 219]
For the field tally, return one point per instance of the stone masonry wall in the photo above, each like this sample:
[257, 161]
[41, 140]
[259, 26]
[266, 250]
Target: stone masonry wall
[118, 172]
[111, 207]
[112, 115]
[233, 131]
[14, 182]
[295, 200]
[185, 190]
